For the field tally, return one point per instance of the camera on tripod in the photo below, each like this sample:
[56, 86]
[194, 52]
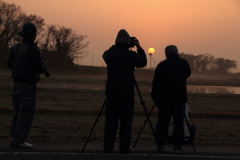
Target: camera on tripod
[46, 72]
[133, 39]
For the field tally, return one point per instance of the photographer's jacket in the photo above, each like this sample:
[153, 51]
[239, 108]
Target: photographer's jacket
[121, 63]
[169, 82]
[25, 61]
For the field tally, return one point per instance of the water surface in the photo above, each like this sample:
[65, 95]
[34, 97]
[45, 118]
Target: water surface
[213, 89]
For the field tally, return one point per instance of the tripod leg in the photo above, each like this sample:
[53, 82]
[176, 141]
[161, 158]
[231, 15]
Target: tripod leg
[100, 112]
[194, 150]
[143, 126]
[150, 123]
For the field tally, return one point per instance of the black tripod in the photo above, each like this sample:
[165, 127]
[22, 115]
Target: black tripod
[100, 112]
[194, 150]
[145, 122]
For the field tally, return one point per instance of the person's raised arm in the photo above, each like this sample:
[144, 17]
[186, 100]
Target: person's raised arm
[141, 59]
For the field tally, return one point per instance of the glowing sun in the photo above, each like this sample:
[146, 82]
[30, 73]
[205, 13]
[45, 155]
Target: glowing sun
[151, 50]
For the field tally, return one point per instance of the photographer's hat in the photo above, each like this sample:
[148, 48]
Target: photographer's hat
[123, 37]
[28, 30]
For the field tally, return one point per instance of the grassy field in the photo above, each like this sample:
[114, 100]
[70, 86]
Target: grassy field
[67, 107]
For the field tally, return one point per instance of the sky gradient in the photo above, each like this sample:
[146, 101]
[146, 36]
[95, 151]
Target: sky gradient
[194, 26]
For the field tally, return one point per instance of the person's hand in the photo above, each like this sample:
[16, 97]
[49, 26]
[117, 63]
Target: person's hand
[136, 43]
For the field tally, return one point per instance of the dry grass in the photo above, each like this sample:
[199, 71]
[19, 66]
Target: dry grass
[67, 113]
[73, 127]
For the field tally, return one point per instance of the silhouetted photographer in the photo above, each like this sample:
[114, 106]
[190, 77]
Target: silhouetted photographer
[119, 91]
[26, 63]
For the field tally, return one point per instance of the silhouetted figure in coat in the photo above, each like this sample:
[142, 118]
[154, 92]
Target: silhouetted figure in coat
[26, 63]
[119, 90]
[169, 92]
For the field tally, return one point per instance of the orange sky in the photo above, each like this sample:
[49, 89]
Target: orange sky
[195, 26]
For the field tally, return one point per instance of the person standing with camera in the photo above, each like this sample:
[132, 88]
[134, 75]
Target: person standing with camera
[26, 63]
[119, 89]
[169, 92]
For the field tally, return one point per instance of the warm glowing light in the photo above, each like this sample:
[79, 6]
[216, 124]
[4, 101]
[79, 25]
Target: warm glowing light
[151, 50]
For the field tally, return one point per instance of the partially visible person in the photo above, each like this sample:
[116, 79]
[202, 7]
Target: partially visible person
[26, 64]
[189, 133]
[119, 90]
[169, 92]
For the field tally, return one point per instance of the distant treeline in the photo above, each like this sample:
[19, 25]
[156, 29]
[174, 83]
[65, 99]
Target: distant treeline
[62, 45]
[207, 63]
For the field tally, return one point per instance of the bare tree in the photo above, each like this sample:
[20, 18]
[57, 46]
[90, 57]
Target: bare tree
[63, 45]
[10, 23]
[12, 19]
[60, 44]
[37, 21]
